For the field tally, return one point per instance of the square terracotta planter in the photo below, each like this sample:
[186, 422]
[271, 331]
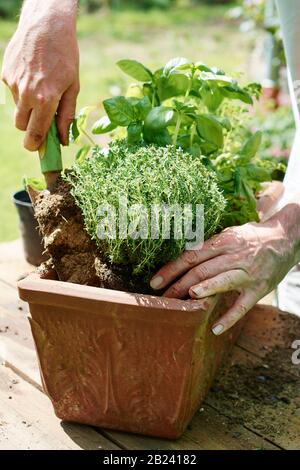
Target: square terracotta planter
[130, 362]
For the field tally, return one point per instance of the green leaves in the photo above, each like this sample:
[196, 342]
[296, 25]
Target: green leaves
[210, 129]
[35, 183]
[174, 103]
[125, 112]
[159, 118]
[179, 63]
[82, 153]
[142, 108]
[103, 125]
[222, 80]
[251, 146]
[78, 126]
[134, 132]
[135, 69]
[174, 85]
[192, 107]
[119, 110]
[234, 92]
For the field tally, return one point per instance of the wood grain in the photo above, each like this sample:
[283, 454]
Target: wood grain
[27, 421]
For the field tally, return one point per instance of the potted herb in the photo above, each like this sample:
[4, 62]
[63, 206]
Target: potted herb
[112, 353]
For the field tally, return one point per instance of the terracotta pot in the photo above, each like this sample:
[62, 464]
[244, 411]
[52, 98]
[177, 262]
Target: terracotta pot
[130, 362]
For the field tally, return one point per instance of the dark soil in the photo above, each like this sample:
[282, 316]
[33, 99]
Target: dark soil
[264, 395]
[73, 255]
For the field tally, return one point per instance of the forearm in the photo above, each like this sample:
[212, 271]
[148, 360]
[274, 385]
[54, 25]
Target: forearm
[41, 68]
[42, 8]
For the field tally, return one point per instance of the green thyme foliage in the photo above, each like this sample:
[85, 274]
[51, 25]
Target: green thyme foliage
[147, 175]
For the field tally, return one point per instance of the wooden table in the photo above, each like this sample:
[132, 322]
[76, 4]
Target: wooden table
[255, 403]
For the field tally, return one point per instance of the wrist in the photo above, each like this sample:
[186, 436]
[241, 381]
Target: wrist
[40, 9]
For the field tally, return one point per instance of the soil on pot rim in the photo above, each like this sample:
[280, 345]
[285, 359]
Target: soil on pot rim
[73, 254]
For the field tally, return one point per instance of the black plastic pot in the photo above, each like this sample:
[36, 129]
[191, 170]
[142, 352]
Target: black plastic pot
[32, 241]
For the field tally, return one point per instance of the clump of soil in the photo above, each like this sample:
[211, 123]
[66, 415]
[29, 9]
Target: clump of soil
[73, 255]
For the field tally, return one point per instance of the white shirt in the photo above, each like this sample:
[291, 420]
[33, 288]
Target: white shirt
[289, 14]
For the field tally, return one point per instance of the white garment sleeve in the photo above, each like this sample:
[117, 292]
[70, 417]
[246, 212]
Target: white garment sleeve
[289, 15]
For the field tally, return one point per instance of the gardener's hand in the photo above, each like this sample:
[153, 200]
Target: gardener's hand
[251, 259]
[41, 68]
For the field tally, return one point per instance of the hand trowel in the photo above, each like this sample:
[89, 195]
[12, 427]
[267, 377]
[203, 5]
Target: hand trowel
[50, 161]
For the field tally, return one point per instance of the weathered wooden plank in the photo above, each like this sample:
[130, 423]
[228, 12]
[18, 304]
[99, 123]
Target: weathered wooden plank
[12, 262]
[270, 335]
[27, 421]
[209, 430]
[16, 343]
[260, 396]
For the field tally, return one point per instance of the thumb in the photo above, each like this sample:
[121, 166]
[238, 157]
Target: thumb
[66, 113]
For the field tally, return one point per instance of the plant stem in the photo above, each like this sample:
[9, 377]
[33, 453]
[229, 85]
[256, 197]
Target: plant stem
[177, 128]
[193, 132]
[179, 119]
[88, 137]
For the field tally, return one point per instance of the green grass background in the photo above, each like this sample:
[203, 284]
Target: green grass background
[200, 33]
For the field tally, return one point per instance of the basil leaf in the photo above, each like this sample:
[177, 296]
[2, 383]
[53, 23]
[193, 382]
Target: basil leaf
[135, 91]
[135, 69]
[119, 110]
[208, 147]
[83, 117]
[34, 183]
[82, 153]
[174, 64]
[174, 85]
[224, 121]
[234, 92]
[252, 145]
[134, 132]
[257, 173]
[219, 79]
[79, 124]
[74, 132]
[161, 137]
[143, 107]
[159, 118]
[210, 129]
[103, 125]
[202, 67]
[212, 96]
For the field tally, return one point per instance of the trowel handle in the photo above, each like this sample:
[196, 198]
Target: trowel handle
[50, 156]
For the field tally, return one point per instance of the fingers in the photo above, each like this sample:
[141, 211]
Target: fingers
[201, 272]
[39, 124]
[66, 113]
[230, 280]
[243, 304]
[214, 247]
[22, 114]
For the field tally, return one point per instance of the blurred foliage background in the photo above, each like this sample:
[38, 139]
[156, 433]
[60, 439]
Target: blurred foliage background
[10, 8]
[151, 31]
